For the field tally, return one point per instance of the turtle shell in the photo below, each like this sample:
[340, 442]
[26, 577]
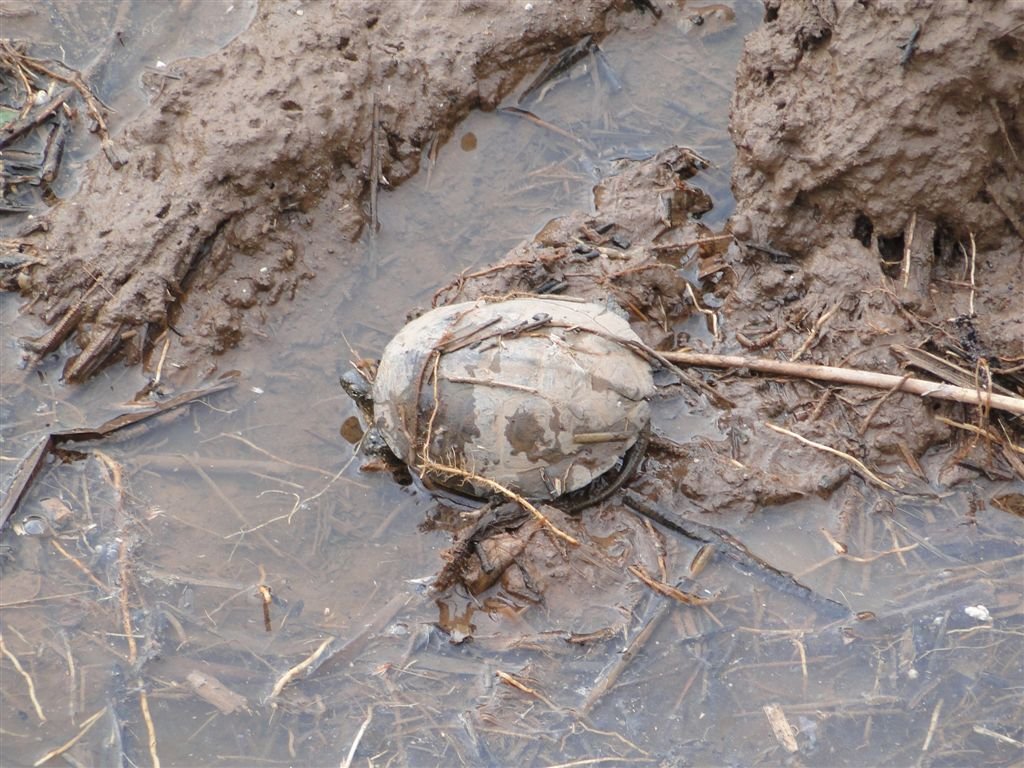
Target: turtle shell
[538, 395]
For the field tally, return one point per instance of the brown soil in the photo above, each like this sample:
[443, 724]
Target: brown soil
[869, 171]
[197, 229]
[851, 150]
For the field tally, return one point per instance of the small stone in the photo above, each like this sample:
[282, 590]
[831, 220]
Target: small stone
[979, 612]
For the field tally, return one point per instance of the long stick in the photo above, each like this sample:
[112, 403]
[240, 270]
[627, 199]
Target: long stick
[851, 376]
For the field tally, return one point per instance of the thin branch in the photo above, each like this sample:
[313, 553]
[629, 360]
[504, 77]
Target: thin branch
[828, 449]
[72, 741]
[347, 762]
[907, 248]
[28, 679]
[852, 376]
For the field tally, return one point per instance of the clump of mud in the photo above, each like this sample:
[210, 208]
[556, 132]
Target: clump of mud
[880, 157]
[879, 194]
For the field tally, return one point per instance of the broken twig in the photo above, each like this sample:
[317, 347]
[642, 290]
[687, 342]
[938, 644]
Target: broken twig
[852, 376]
[33, 462]
[860, 465]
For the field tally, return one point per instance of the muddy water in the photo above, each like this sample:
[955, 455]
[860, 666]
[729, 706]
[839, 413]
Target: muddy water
[141, 561]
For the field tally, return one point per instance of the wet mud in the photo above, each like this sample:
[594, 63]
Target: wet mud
[878, 183]
[228, 158]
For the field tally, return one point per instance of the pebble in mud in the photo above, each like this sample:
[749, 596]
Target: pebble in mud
[241, 295]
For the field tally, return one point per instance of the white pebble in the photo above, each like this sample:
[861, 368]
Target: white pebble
[979, 612]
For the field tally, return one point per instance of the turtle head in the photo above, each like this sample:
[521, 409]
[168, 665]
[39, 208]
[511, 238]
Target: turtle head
[357, 386]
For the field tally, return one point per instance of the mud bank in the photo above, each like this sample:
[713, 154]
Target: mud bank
[872, 131]
[195, 231]
[878, 184]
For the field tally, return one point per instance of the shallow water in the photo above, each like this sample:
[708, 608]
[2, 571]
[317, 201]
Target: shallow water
[169, 534]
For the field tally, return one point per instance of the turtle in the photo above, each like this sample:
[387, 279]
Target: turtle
[546, 398]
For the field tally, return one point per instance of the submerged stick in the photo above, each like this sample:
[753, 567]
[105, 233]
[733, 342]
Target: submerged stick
[729, 546]
[154, 758]
[358, 737]
[340, 647]
[562, 64]
[610, 676]
[667, 590]
[34, 460]
[512, 682]
[294, 672]
[28, 679]
[530, 117]
[89, 723]
[853, 376]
